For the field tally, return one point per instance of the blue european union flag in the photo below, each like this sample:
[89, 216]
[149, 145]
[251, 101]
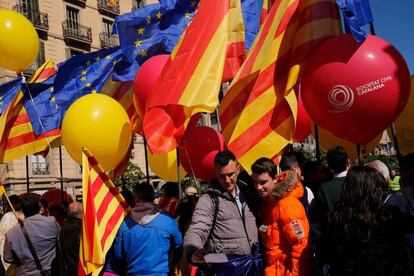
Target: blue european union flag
[356, 13]
[8, 91]
[76, 77]
[41, 106]
[152, 30]
[252, 12]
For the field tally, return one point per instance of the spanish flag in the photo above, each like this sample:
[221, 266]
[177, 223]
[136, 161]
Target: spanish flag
[190, 82]
[104, 209]
[258, 114]
[18, 137]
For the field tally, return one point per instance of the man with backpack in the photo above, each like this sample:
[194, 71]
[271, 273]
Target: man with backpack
[223, 222]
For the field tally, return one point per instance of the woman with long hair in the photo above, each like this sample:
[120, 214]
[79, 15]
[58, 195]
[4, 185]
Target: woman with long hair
[365, 236]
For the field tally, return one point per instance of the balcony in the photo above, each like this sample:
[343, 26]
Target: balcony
[108, 40]
[81, 3]
[75, 32]
[39, 19]
[109, 7]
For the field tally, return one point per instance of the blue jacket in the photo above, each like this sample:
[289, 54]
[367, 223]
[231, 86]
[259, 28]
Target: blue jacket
[143, 242]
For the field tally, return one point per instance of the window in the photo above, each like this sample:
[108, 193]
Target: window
[107, 26]
[72, 16]
[29, 5]
[70, 52]
[40, 165]
[136, 4]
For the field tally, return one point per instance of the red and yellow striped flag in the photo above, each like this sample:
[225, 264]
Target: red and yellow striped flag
[104, 209]
[18, 137]
[258, 114]
[190, 82]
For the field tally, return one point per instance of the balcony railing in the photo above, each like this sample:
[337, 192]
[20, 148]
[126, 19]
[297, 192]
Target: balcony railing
[108, 40]
[110, 7]
[72, 30]
[39, 19]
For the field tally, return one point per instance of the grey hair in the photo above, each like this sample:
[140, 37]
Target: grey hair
[380, 167]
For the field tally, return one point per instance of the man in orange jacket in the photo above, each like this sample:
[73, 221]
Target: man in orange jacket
[284, 228]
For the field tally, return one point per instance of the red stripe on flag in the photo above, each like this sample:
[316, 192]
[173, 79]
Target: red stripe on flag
[21, 119]
[122, 90]
[30, 137]
[234, 59]
[109, 196]
[261, 128]
[46, 73]
[97, 185]
[110, 225]
[89, 217]
[287, 18]
[199, 32]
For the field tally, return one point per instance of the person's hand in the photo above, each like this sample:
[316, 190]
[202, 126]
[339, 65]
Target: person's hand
[198, 255]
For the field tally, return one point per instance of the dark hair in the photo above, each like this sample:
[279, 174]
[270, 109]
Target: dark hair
[16, 202]
[144, 192]
[407, 170]
[223, 158]
[300, 158]
[264, 165]
[170, 189]
[337, 159]
[362, 198]
[129, 197]
[30, 204]
[288, 161]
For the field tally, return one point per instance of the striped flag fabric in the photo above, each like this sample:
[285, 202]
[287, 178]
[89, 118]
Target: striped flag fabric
[258, 114]
[18, 137]
[191, 79]
[104, 209]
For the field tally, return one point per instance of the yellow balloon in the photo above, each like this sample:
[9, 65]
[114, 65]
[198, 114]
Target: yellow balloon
[165, 165]
[19, 42]
[100, 124]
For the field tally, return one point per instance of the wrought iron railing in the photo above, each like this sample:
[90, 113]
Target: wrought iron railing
[72, 29]
[39, 19]
[108, 40]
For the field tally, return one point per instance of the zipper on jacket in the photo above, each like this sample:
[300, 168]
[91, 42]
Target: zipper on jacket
[242, 216]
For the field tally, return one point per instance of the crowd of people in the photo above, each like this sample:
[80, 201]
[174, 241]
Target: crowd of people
[299, 217]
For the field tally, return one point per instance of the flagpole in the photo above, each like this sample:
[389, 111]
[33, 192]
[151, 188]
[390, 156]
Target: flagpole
[318, 152]
[27, 175]
[392, 127]
[146, 159]
[61, 173]
[178, 173]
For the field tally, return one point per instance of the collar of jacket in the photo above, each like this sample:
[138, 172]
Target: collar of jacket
[216, 189]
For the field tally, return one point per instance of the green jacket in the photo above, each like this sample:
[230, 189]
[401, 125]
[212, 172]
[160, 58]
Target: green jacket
[330, 192]
[395, 183]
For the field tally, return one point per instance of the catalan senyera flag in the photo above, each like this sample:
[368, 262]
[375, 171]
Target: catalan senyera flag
[19, 138]
[258, 114]
[190, 82]
[404, 125]
[104, 209]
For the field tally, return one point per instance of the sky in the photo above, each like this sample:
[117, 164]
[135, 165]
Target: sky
[394, 22]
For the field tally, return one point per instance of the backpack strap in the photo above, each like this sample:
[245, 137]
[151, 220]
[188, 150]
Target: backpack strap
[215, 200]
[31, 248]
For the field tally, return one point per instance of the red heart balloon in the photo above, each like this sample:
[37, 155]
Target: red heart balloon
[145, 80]
[355, 90]
[303, 122]
[199, 147]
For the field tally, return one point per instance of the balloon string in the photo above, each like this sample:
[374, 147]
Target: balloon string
[189, 161]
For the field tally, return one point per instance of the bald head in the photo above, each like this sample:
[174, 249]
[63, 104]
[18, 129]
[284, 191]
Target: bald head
[75, 210]
[191, 190]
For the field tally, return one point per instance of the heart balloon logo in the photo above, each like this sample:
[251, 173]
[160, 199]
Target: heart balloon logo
[353, 90]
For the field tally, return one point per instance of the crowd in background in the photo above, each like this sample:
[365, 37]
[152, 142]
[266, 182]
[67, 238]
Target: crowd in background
[298, 217]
